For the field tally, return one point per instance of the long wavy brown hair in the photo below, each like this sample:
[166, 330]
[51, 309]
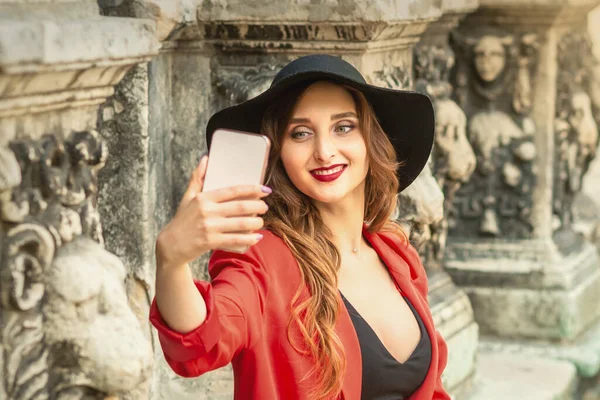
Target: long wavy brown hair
[293, 217]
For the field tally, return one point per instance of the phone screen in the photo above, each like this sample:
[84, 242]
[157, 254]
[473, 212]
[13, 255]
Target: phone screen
[236, 158]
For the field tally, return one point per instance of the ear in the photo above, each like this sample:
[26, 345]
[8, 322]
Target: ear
[27, 251]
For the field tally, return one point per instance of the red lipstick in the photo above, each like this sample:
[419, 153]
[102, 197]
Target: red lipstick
[326, 177]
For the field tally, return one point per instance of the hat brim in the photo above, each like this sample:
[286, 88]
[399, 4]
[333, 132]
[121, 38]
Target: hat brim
[407, 117]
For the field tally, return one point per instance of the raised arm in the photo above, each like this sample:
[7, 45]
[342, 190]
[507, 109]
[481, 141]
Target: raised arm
[220, 219]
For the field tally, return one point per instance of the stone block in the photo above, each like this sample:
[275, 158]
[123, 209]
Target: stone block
[583, 353]
[353, 10]
[547, 314]
[512, 376]
[44, 42]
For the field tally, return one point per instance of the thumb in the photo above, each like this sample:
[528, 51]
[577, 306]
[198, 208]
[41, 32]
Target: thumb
[196, 180]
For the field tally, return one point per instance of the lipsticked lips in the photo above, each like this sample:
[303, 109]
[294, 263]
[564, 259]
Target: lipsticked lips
[327, 168]
[328, 177]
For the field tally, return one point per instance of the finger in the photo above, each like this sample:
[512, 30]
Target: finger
[238, 192]
[237, 242]
[196, 180]
[235, 225]
[237, 208]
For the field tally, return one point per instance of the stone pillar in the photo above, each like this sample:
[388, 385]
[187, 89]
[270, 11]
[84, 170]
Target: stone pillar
[452, 163]
[66, 327]
[523, 78]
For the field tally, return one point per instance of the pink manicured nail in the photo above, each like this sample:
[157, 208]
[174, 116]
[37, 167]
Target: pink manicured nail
[258, 237]
[266, 189]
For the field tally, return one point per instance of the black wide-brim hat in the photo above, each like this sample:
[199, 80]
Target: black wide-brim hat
[406, 117]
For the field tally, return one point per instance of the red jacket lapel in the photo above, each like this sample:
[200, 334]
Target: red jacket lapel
[399, 264]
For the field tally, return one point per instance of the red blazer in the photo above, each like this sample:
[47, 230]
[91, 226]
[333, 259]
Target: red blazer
[248, 305]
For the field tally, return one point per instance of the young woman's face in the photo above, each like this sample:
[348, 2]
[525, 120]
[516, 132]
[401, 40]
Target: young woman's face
[323, 149]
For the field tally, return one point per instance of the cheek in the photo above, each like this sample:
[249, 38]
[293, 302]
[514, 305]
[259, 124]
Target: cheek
[292, 160]
[287, 155]
[358, 151]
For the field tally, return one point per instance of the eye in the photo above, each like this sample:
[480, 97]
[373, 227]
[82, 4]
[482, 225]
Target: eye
[344, 127]
[300, 133]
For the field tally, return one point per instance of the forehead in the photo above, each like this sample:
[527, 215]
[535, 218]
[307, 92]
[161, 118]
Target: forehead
[325, 96]
[488, 44]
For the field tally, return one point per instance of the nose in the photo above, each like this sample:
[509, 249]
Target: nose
[325, 148]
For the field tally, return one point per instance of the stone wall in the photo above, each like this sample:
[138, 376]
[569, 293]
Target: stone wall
[66, 326]
[103, 106]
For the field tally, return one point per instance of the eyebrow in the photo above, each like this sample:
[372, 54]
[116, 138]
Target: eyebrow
[333, 117]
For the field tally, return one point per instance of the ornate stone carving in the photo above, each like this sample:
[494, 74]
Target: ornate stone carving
[59, 184]
[238, 84]
[452, 159]
[103, 351]
[393, 77]
[493, 87]
[66, 327]
[576, 129]
[420, 207]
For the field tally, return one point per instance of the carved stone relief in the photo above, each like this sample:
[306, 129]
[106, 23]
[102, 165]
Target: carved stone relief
[576, 129]
[452, 160]
[420, 211]
[393, 77]
[237, 84]
[493, 86]
[66, 327]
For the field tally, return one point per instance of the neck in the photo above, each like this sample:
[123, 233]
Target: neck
[345, 220]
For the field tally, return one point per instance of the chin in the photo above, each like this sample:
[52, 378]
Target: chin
[326, 199]
[327, 195]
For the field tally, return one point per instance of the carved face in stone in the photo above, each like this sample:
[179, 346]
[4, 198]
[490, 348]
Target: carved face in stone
[582, 120]
[93, 335]
[489, 58]
[451, 140]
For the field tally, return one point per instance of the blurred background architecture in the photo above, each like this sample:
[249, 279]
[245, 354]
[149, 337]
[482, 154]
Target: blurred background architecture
[103, 106]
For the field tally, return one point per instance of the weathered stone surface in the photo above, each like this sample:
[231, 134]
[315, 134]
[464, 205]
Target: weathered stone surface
[91, 322]
[551, 313]
[26, 43]
[453, 318]
[583, 353]
[421, 205]
[125, 193]
[385, 10]
[56, 70]
[167, 14]
[576, 129]
[61, 339]
[493, 87]
[215, 385]
[505, 376]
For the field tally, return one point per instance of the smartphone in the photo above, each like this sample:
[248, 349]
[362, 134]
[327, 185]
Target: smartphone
[236, 158]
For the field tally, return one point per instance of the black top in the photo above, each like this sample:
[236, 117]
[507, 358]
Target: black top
[383, 377]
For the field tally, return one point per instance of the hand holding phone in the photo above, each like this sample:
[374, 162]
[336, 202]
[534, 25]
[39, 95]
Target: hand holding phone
[221, 206]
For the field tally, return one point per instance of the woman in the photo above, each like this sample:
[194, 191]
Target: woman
[321, 305]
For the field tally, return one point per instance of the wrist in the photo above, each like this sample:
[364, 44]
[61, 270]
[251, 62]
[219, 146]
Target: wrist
[163, 251]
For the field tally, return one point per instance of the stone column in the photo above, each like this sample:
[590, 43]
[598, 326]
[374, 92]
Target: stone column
[66, 328]
[523, 78]
[452, 163]
[154, 124]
